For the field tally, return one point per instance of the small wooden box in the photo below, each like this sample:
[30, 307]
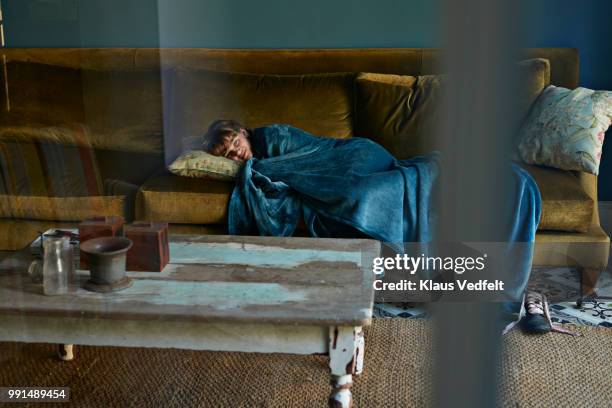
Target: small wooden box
[150, 251]
[94, 227]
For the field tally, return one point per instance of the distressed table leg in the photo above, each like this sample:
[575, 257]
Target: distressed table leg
[65, 352]
[346, 349]
[341, 396]
[359, 351]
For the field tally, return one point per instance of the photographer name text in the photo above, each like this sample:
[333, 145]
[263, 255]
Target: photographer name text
[430, 285]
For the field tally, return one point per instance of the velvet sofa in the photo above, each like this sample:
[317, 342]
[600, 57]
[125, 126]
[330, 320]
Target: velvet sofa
[90, 131]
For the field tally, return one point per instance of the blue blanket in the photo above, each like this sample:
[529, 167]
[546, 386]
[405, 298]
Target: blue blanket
[343, 185]
[337, 185]
[348, 186]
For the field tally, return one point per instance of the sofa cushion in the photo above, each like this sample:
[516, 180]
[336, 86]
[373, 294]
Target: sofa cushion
[401, 112]
[122, 110]
[41, 93]
[397, 111]
[184, 200]
[320, 104]
[51, 174]
[59, 161]
[119, 164]
[48, 161]
[565, 205]
[59, 208]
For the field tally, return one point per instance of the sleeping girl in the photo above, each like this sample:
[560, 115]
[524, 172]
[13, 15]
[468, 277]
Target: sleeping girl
[353, 188]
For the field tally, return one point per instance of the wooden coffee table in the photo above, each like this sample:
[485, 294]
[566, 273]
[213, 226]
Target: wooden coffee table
[225, 293]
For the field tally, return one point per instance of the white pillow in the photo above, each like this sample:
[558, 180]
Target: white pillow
[565, 129]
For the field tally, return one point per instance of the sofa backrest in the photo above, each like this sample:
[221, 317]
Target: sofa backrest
[406, 61]
[117, 133]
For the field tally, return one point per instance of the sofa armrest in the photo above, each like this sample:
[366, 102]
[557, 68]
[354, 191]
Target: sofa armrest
[588, 182]
[114, 187]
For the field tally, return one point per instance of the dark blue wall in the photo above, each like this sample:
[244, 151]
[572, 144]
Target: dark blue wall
[221, 23]
[584, 24]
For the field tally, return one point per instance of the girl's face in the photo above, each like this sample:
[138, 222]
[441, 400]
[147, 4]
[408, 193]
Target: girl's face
[237, 147]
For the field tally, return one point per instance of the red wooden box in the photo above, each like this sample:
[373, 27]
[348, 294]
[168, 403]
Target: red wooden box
[99, 226]
[150, 251]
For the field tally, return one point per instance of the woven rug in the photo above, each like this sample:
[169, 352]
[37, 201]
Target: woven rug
[547, 370]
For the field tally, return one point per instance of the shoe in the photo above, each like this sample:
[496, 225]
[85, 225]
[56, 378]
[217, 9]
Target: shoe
[537, 316]
[535, 321]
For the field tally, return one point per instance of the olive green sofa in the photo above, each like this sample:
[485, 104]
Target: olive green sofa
[90, 131]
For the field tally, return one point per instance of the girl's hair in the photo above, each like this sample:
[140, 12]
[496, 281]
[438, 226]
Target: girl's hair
[218, 132]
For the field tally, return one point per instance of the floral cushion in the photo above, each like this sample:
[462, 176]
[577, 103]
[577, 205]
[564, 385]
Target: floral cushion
[197, 163]
[566, 129]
